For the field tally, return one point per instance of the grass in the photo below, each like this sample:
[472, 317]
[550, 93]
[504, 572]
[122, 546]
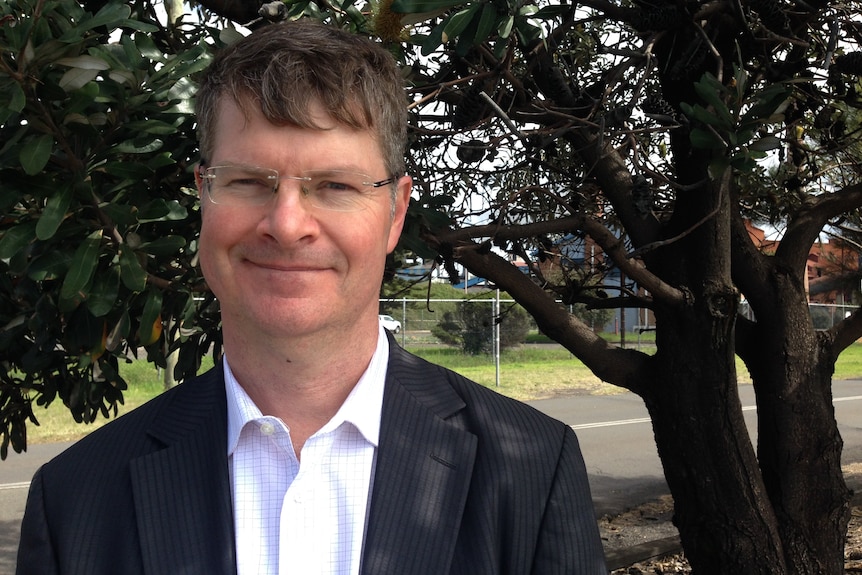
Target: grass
[526, 373]
[57, 424]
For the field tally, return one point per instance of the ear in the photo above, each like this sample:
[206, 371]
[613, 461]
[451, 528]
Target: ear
[402, 200]
[199, 181]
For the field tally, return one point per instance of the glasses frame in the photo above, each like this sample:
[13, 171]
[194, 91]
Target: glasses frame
[277, 178]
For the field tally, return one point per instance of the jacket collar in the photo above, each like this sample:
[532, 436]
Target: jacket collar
[182, 491]
[424, 467]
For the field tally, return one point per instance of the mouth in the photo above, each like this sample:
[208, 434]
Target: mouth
[285, 267]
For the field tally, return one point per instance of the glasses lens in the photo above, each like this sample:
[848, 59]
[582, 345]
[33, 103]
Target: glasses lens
[339, 191]
[332, 190]
[232, 185]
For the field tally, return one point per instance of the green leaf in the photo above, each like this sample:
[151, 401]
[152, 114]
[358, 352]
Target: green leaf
[54, 213]
[164, 246]
[706, 140]
[49, 266]
[128, 170]
[106, 287]
[74, 288]
[119, 332]
[132, 53]
[505, 27]
[709, 89]
[459, 21]
[154, 211]
[35, 154]
[159, 210]
[18, 99]
[765, 144]
[142, 147]
[770, 100]
[151, 328]
[487, 21]
[140, 26]
[14, 239]
[112, 15]
[433, 40]
[701, 114]
[84, 62]
[418, 6]
[77, 78]
[553, 11]
[162, 160]
[152, 127]
[133, 275]
[121, 214]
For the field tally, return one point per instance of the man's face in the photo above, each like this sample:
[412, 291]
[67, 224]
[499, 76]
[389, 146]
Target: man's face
[288, 268]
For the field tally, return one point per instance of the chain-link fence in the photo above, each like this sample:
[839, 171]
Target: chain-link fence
[426, 320]
[825, 315]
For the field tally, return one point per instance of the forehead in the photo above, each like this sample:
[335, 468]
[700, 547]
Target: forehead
[243, 134]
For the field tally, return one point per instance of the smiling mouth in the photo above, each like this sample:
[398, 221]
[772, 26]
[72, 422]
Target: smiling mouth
[286, 268]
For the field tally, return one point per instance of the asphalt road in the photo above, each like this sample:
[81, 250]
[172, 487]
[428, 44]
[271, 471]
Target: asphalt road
[618, 446]
[614, 432]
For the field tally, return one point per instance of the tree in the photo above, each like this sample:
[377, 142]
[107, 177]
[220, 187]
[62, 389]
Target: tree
[99, 224]
[656, 129]
[473, 327]
[643, 126]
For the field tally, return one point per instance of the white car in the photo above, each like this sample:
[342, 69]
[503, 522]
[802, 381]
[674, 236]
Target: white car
[390, 323]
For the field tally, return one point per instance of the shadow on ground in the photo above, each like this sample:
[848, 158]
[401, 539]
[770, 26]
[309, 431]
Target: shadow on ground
[10, 531]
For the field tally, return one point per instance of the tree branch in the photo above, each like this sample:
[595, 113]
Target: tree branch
[621, 367]
[610, 244]
[803, 230]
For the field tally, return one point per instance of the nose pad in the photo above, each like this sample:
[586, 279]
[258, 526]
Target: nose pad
[290, 216]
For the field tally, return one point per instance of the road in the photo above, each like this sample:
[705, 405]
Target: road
[618, 446]
[614, 432]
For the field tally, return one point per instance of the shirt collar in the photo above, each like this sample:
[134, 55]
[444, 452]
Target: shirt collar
[362, 408]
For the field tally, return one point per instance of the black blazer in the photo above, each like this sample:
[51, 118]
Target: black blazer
[467, 481]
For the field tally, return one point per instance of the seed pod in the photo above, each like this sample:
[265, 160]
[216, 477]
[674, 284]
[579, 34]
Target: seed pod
[471, 151]
[850, 63]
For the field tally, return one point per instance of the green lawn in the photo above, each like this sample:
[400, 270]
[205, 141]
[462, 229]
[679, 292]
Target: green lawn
[530, 372]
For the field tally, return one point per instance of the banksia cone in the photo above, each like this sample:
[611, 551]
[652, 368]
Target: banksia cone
[849, 64]
[387, 24]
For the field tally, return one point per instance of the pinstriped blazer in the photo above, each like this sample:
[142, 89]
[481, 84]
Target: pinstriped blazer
[467, 481]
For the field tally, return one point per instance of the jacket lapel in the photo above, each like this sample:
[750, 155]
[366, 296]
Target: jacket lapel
[182, 491]
[424, 466]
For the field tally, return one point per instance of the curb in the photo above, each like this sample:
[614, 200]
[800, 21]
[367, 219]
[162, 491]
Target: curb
[619, 558]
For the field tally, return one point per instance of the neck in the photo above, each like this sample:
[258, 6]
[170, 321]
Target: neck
[302, 382]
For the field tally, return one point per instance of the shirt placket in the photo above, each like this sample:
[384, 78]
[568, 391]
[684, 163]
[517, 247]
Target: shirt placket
[308, 515]
[266, 467]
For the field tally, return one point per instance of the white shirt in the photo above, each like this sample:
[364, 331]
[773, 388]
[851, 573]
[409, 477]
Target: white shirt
[304, 517]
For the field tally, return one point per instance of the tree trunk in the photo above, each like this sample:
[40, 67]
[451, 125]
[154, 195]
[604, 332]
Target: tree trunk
[725, 521]
[723, 514]
[799, 446]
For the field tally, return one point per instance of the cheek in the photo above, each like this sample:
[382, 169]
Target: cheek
[211, 243]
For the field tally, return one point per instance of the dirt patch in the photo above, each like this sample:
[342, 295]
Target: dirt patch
[644, 541]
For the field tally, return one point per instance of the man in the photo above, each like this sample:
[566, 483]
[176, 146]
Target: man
[318, 446]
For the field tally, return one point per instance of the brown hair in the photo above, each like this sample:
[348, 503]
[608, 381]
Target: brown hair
[286, 67]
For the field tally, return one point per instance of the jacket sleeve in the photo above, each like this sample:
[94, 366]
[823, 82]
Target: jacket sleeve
[569, 541]
[35, 551]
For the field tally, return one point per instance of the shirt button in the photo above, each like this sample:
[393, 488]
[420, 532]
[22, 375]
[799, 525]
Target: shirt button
[267, 428]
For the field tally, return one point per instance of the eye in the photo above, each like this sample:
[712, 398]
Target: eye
[240, 182]
[336, 186]
[248, 181]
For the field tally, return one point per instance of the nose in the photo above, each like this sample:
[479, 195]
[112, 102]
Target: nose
[289, 217]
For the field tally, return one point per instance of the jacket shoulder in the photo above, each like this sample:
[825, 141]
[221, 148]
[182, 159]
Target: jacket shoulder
[130, 435]
[461, 399]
